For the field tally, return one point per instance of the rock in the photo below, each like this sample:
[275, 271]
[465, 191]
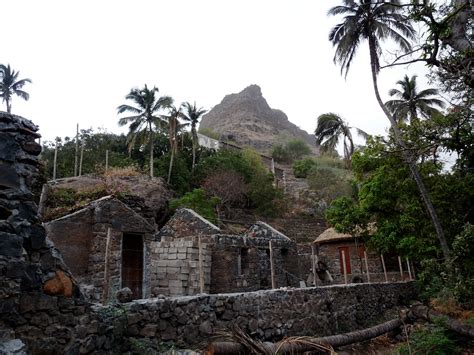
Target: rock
[60, 285]
[31, 147]
[11, 244]
[205, 328]
[247, 119]
[15, 346]
[124, 295]
[149, 330]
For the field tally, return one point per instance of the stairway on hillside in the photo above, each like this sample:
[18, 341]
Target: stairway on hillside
[293, 186]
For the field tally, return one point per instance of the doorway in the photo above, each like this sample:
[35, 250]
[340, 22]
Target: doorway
[132, 263]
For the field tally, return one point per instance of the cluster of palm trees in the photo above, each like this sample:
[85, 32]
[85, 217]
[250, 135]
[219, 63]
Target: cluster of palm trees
[151, 113]
[374, 21]
[10, 85]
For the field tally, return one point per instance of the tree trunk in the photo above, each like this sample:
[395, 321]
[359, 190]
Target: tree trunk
[9, 106]
[307, 343]
[407, 156]
[194, 138]
[171, 164]
[151, 151]
[423, 312]
[76, 153]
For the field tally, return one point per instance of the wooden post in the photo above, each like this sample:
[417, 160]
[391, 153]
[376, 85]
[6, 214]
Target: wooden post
[343, 255]
[272, 266]
[201, 267]
[367, 266]
[106, 160]
[409, 270]
[43, 199]
[106, 267]
[55, 160]
[384, 268]
[80, 160]
[76, 154]
[401, 268]
[313, 262]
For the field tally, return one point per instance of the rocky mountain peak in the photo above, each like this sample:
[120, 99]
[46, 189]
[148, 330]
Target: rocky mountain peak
[247, 119]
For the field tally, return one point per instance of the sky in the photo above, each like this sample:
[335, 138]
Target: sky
[84, 57]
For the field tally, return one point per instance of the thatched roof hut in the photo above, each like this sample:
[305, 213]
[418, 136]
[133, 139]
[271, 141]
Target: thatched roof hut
[330, 235]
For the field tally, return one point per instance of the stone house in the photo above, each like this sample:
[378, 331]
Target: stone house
[331, 245]
[107, 246]
[230, 263]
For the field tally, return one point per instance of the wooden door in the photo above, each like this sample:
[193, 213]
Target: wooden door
[132, 263]
[348, 260]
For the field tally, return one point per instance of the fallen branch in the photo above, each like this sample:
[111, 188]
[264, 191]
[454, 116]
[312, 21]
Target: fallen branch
[424, 312]
[295, 345]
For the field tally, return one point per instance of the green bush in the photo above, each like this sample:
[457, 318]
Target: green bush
[180, 174]
[293, 150]
[301, 168]
[432, 339]
[280, 154]
[262, 195]
[199, 202]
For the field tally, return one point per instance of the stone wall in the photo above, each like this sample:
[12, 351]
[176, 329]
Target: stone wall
[242, 263]
[266, 315]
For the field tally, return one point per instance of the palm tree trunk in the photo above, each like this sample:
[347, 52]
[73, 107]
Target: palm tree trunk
[193, 133]
[171, 165]
[308, 343]
[9, 106]
[408, 157]
[151, 151]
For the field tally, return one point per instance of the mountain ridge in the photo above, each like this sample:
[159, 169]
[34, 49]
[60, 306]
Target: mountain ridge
[248, 120]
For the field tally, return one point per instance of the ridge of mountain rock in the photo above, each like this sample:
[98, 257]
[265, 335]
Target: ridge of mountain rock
[247, 119]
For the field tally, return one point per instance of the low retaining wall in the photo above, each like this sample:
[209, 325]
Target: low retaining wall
[267, 315]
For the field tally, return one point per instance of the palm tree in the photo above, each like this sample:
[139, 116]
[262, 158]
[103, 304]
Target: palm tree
[375, 21]
[144, 117]
[10, 85]
[192, 114]
[173, 124]
[410, 103]
[331, 127]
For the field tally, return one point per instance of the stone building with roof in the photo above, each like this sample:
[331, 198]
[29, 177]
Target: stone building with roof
[107, 246]
[330, 247]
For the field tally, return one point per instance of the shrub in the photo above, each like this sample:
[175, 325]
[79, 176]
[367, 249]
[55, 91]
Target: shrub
[301, 168]
[297, 149]
[294, 149]
[229, 186]
[280, 154]
[199, 202]
[432, 339]
[180, 175]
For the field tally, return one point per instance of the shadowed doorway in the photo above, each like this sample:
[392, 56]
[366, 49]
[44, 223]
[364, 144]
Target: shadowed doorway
[132, 263]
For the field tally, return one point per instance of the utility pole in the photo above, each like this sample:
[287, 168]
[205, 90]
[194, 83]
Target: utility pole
[76, 155]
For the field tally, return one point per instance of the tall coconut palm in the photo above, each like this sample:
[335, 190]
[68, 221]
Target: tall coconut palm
[10, 85]
[376, 21]
[145, 117]
[331, 127]
[411, 103]
[175, 113]
[192, 114]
